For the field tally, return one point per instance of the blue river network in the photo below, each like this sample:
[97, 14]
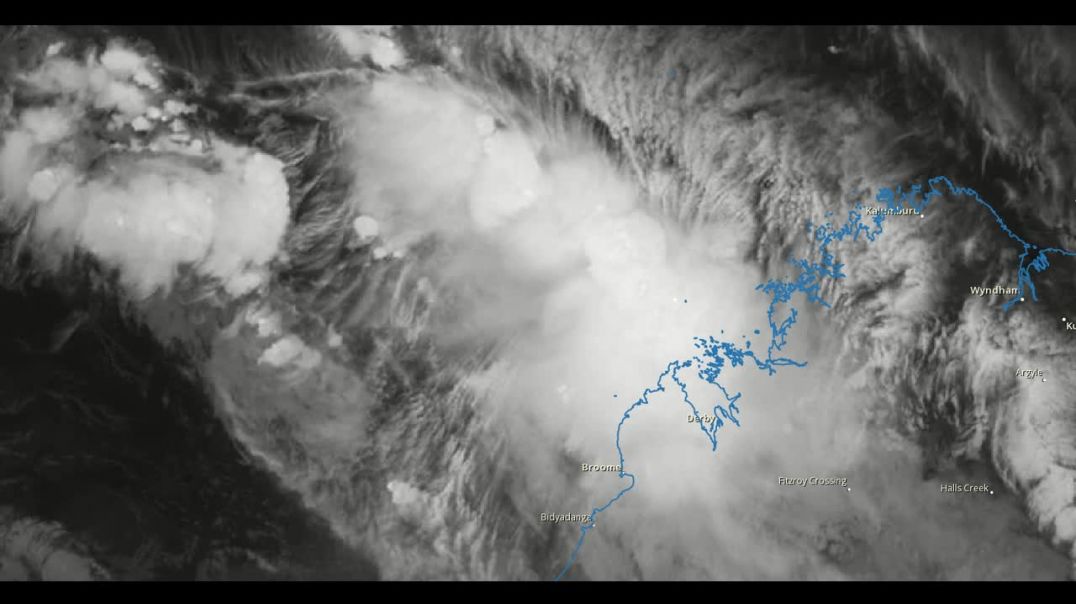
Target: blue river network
[713, 354]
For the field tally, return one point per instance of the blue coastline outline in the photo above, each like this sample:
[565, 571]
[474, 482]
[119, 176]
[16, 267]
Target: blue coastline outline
[714, 353]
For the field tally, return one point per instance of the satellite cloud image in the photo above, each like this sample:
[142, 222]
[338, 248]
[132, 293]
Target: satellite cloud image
[537, 303]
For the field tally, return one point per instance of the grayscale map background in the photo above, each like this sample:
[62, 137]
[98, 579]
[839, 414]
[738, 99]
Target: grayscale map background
[353, 302]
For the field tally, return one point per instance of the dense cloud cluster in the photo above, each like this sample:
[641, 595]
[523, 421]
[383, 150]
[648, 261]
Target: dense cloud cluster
[449, 258]
[107, 164]
[721, 132]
